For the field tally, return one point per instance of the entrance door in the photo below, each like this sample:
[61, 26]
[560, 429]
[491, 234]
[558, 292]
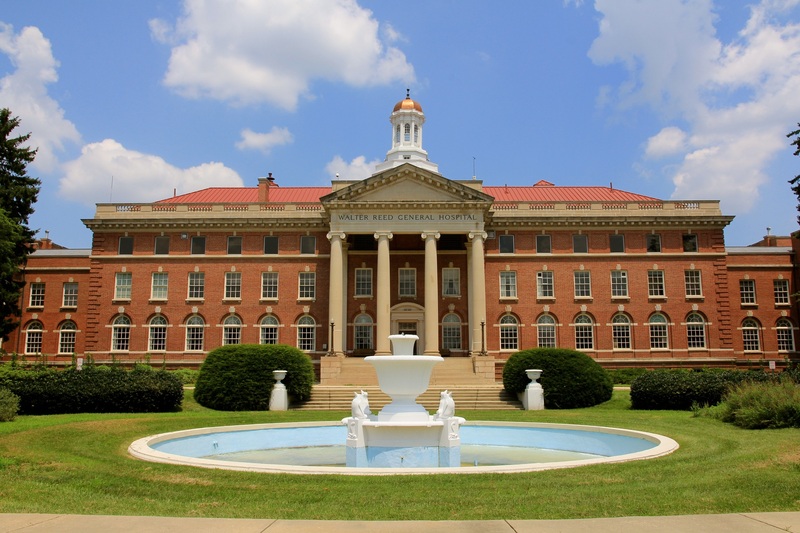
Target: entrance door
[408, 328]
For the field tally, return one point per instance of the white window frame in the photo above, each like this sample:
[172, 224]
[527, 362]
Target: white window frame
[545, 284]
[546, 332]
[508, 284]
[306, 333]
[655, 284]
[619, 284]
[451, 332]
[582, 281]
[307, 286]
[363, 283]
[231, 330]
[70, 294]
[747, 291]
[509, 333]
[269, 285]
[67, 336]
[780, 289]
[37, 295]
[157, 335]
[693, 283]
[751, 335]
[584, 333]
[784, 331]
[621, 332]
[123, 285]
[269, 330]
[33, 338]
[451, 282]
[195, 333]
[407, 282]
[658, 326]
[696, 332]
[159, 286]
[233, 286]
[363, 332]
[196, 286]
[121, 334]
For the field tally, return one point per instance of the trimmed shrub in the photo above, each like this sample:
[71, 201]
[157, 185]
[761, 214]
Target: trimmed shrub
[625, 376]
[94, 391]
[570, 379]
[682, 389]
[9, 405]
[187, 376]
[761, 405]
[239, 377]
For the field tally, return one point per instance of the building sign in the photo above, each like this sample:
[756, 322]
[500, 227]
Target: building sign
[405, 220]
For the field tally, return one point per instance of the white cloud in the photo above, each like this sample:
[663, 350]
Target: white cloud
[357, 169]
[24, 92]
[246, 52]
[137, 177]
[734, 98]
[264, 142]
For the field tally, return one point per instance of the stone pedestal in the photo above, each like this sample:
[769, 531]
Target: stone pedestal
[279, 398]
[533, 396]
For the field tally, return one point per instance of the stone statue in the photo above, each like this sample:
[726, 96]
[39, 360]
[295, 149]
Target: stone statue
[360, 405]
[447, 407]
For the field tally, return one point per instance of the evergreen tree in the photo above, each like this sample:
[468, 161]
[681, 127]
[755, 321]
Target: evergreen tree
[18, 193]
[796, 180]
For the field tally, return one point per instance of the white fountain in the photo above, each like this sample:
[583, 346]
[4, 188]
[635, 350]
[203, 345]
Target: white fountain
[403, 434]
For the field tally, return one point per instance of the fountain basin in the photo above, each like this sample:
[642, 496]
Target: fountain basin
[403, 378]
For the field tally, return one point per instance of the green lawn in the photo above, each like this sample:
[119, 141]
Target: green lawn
[79, 464]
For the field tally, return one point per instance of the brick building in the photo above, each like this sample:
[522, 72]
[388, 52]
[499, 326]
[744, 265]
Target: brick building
[474, 270]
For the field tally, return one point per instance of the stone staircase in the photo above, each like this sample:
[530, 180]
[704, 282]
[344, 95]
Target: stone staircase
[357, 372]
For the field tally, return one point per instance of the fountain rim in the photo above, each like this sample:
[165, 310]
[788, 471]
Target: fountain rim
[140, 449]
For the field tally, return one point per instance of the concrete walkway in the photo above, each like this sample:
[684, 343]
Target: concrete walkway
[727, 523]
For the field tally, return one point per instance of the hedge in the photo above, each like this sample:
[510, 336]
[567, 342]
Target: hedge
[239, 377]
[93, 390]
[570, 378]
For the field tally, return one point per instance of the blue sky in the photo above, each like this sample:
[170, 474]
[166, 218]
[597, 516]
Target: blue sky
[129, 101]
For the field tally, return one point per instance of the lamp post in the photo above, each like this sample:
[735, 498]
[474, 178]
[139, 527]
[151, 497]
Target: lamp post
[330, 341]
[483, 337]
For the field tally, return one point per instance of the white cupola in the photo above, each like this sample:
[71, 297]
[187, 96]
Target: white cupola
[407, 119]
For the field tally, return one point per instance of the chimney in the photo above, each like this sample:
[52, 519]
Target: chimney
[264, 185]
[770, 239]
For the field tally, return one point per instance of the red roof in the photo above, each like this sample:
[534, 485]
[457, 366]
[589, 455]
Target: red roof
[541, 192]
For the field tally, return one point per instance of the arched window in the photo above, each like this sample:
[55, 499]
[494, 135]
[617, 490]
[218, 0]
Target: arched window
[509, 333]
[269, 330]
[362, 332]
[66, 337]
[407, 133]
[416, 134]
[195, 333]
[397, 135]
[451, 332]
[158, 334]
[584, 332]
[306, 333]
[232, 330]
[696, 331]
[33, 338]
[546, 331]
[121, 334]
[621, 332]
[658, 332]
[785, 331]
[751, 335]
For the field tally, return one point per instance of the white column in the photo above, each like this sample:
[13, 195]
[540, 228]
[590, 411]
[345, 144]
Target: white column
[384, 292]
[336, 292]
[477, 289]
[431, 294]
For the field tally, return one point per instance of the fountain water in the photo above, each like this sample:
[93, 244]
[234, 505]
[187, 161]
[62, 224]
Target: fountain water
[403, 434]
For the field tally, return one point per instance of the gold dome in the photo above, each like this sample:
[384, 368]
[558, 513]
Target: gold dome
[408, 104]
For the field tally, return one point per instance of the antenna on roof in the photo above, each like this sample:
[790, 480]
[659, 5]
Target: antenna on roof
[611, 185]
[474, 174]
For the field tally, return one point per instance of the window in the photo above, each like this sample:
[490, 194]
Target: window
[544, 284]
[33, 338]
[158, 289]
[658, 332]
[506, 243]
[270, 245]
[546, 331]
[197, 285]
[363, 332]
[751, 338]
[195, 332]
[583, 283]
[747, 291]
[37, 295]
[269, 330]
[451, 282]
[621, 332]
[619, 284]
[580, 244]
[781, 291]
[696, 331]
[234, 245]
[508, 284]
[407, 132]
[584, 332]
[162, 245]
[121, 334]
[690, 243]
[397, 135]
[653, 243]
[655, 284]
[269, 285]
[363, 282]
[306, 328]
[543, 244]
[784, 330]
[198, 245]
[451, 332]
[66, 337]
[233, 285]
[308, 286]
[616, 244]
[694, 287]
[232, 330]
[509, 333]
[308, 244]
[122, 285]
[125, 245]
[407, 278]
[70, 296]
[158, 334]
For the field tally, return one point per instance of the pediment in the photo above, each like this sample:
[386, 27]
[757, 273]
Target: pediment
[406, 184]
